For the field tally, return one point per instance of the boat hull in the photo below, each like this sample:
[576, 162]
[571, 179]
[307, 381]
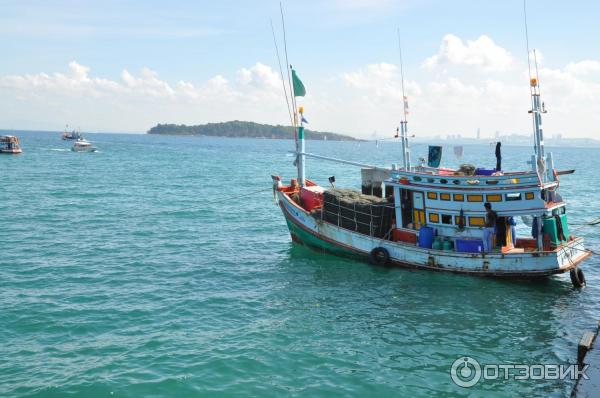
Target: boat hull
[323, 236]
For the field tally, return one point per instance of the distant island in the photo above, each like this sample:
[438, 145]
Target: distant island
[238, 128]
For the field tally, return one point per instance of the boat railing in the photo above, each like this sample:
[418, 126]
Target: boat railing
[451, 180]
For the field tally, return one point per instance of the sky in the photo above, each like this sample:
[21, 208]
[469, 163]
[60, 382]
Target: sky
[115, 66]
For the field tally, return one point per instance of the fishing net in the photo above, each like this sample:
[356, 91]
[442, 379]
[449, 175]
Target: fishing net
[358, 212]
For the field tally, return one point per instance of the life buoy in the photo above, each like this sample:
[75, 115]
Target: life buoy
[577, 277]
[380, 256]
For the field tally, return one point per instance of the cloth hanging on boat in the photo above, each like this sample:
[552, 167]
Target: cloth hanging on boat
[461, 219]
[501, 225]
[498, 157]
[534, 227]
[435, 156]
[560, 233]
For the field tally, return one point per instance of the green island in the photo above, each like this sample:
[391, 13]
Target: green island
[238, 128]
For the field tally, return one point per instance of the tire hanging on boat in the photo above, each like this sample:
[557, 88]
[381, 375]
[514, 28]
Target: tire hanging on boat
[380, 256]
[577, 277]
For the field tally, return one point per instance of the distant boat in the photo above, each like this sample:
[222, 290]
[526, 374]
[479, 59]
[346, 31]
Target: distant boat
[73, 135]
[82, 145]
[10, 144]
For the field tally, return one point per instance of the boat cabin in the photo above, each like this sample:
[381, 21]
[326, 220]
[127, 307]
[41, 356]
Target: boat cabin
[449, 204]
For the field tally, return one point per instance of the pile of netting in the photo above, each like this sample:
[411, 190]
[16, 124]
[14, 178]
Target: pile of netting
[355, 211]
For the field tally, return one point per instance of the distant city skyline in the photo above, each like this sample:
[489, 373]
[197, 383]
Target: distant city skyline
[127, 66]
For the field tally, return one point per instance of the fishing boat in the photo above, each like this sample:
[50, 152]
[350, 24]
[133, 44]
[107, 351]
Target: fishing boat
[82, 145]
[435, 218]
[72, 135]
[10, 144]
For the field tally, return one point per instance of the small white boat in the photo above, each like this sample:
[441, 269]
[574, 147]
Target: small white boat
[82, 145]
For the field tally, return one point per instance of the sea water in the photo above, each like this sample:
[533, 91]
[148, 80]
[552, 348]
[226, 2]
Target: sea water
[160, 266]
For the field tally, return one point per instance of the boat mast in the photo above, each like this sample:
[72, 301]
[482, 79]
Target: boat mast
[403, 121]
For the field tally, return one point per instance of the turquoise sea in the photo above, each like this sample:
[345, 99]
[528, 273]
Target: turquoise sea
[156, 268]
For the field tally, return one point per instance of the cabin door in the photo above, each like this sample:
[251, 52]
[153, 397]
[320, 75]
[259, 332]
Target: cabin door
[418, 200]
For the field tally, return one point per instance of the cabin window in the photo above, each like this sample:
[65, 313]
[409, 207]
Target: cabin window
[494, 198]
[445, 196]
[475, 198]
[434, 217]
[446, 219]
[444, 181]
[492, 182]
[432, 195]
[513, 196]
[529, 195]
[430, 180]
[476, 221]
[459, 197]
[417, 178]
[456, 182]
[457, 220]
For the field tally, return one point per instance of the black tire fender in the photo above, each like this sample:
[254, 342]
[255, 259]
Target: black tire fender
[380, 256]
[577, 277]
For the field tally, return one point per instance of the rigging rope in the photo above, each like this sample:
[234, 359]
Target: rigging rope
[204, 204]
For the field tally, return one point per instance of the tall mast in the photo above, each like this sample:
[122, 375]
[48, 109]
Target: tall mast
[403, 121]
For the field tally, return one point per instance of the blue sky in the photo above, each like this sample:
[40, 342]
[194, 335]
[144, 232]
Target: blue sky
[331, 43]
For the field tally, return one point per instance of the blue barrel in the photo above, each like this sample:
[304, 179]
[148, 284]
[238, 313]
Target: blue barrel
[426, 235]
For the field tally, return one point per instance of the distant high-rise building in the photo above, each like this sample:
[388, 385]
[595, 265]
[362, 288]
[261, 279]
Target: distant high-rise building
[497, 135]
[478, 133]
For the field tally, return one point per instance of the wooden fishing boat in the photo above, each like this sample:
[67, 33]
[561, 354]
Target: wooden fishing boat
[433, 218]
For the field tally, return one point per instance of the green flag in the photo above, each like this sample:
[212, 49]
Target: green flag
[299, 90]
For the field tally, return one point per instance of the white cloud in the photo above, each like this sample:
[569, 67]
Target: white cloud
[383, 80]
[583, 68]
[145, 99]
[467, 96]
[482, 53]
[357, 101]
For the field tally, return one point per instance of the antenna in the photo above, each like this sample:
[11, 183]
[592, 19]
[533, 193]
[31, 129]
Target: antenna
[538, 161]
[288, 66]
[402, 74]
[527, 36]
[287, 100]
[403, 122]
[537, 73]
